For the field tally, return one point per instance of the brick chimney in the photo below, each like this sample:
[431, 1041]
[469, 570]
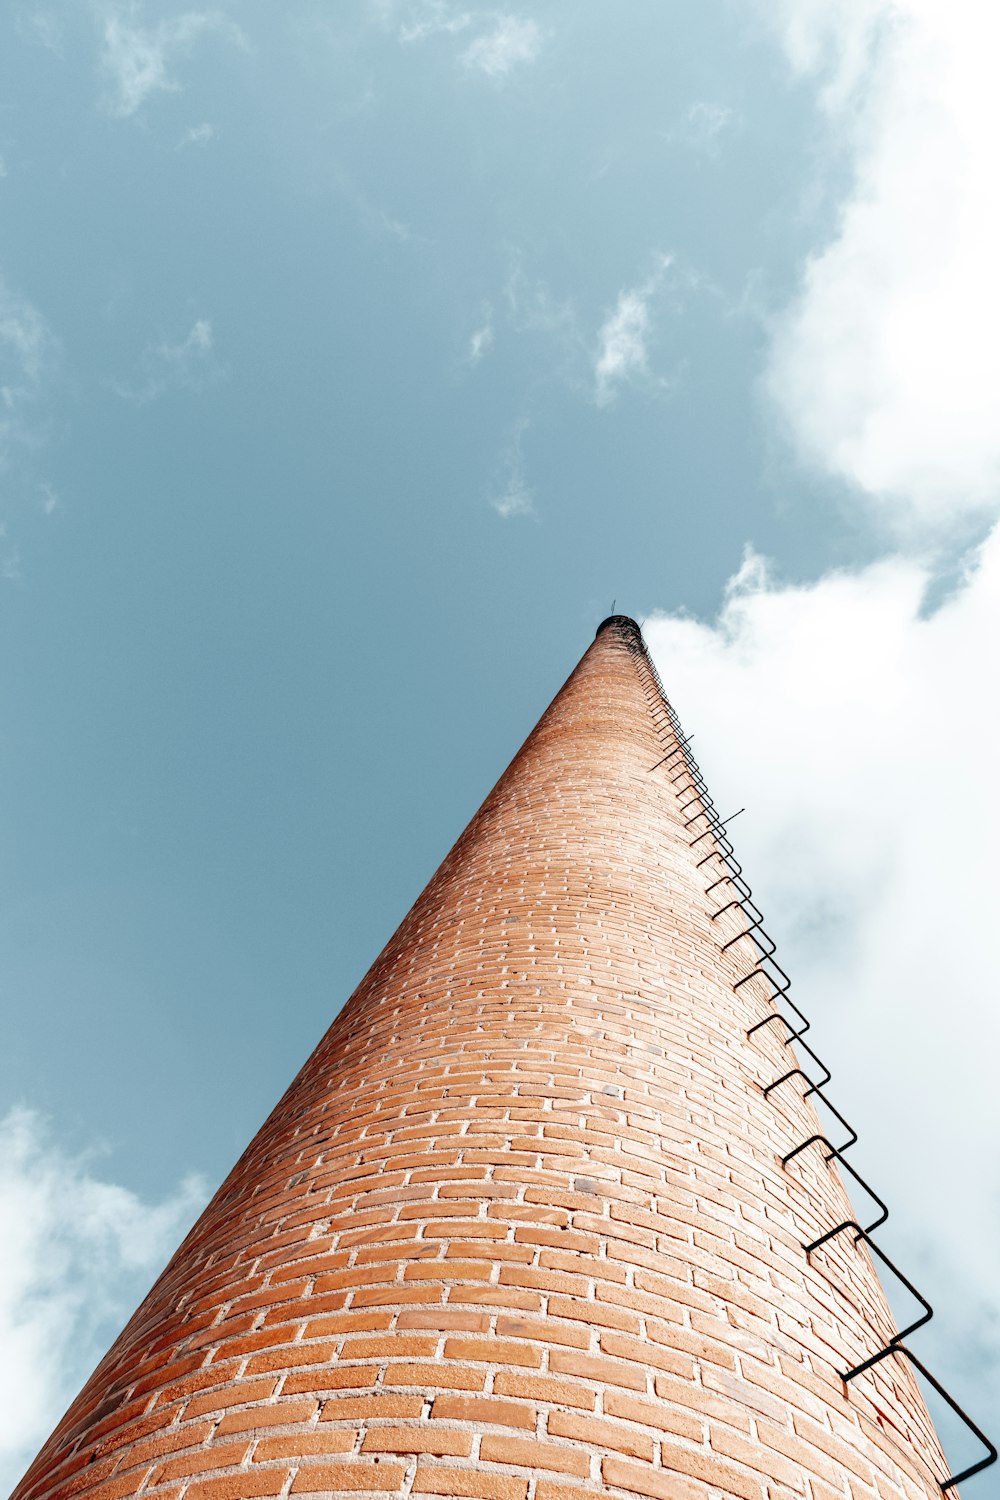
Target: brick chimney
[520, 1228]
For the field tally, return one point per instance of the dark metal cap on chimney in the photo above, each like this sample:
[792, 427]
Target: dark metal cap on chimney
[624, 623]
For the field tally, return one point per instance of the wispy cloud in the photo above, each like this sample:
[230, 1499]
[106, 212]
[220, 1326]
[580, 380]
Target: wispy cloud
[29, 358]
[28, 351]
[622, 354]
[512, 42]
[42, 26]
[623, 341]
[885, 369]
[374, 219]
[25, 343]
[187, 365]
[10, 558]
[78, 1252]
[481, 340]
[137, 59]
[197, 135]
[49, 499]
[503, 41]
[512, 495]
[533, 308]
[433, 18]
[703, 126]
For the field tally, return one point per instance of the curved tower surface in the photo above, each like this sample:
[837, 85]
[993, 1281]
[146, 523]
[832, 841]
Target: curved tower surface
[520, 1229]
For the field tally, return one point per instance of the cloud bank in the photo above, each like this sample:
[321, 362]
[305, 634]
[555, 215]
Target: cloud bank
[78, 1253]
[886, 369]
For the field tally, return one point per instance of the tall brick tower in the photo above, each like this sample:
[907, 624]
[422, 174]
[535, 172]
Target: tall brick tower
[521, 1228]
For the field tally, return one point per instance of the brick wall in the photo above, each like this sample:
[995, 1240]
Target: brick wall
[519, 1229]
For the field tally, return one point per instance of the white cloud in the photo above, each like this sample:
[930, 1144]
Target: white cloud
[622, 354]
[532, 308]
[508, 42]
[10, 558]
[49, 499]
[197, 135]
[863, 734]
[137, 59]
[623, 341]
[188, 365]
[395, 228]
[374, 219]
[886, 367]
[512, 495]
[25, 341]
[27, 354]
[481, 339]
[45, 28]
[515, 499]
[77, 1254]
[432, 18]
[511, 42]
[28, 358]
[704, 123]
[834, 40]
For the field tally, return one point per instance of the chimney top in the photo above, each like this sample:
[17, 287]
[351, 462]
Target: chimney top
[624, 623]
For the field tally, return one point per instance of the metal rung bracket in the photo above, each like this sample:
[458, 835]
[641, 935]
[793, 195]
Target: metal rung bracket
[926, 1315]
[991, 1452]
[831, 1153]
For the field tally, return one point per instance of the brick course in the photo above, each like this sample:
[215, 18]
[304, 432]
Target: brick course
[519, 1229]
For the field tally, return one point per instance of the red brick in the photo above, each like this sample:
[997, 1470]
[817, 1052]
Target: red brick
[272, 1414]
[643, 1479]
[593, 1367]
[484, 1411]
[318, 1479]
[331, 1378]
[296, 1445]
[544, 1388]
[544, 1330]
[436, 1377]
[365, 1408]
[654, 1414]
[549, 1489]
[591, 1432]
[446, 1441]
[238, 1486]
[228, 1396]
[218, 1456]
[475, 1484]
[493, 1351]
[529, 1454]
[444, 1319]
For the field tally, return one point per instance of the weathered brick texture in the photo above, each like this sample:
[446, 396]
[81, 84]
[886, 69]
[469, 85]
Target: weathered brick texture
[519, 1229]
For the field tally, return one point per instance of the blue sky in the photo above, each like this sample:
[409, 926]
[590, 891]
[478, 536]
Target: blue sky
[353, 360]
